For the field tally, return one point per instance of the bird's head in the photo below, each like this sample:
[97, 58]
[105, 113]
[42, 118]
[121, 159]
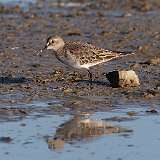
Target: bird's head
[55, 43]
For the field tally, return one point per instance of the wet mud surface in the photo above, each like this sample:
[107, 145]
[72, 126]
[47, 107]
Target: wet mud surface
[40, 88]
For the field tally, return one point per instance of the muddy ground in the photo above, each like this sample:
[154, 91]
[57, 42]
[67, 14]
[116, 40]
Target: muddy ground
[128, 26]
[46, 106]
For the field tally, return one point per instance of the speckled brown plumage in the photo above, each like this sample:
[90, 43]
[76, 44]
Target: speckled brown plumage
[84, 55]
[78, 54]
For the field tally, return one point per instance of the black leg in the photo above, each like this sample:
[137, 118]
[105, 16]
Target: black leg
[90, 78]
[90, 75]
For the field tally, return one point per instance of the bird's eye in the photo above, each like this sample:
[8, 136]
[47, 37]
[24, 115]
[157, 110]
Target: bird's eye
[51, 41]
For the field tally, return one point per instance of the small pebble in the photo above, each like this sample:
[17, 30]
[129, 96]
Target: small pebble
[5, 139]
[123, 78]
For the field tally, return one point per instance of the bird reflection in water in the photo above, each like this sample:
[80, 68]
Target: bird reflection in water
[80, 128]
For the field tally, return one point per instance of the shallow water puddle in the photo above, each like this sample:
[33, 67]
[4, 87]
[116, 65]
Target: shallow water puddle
[24, 4]
[17, 1]
[96, 136]
[28, 137]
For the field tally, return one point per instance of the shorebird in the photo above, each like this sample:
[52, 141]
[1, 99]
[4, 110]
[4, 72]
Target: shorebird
[80, 55]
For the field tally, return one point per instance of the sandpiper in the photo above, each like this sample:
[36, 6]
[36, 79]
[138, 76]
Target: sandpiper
[80, 55]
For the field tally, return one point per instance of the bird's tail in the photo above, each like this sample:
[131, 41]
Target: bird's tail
[110, 55]
[123, 53]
